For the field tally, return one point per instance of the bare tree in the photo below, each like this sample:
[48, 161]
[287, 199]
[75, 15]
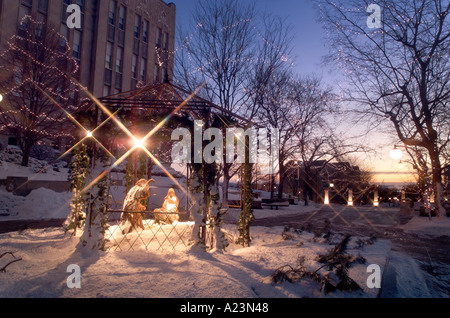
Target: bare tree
[35, 74]
[273, 57]
[398, 72]
[234, 55]
[220, 50]
[276, 111]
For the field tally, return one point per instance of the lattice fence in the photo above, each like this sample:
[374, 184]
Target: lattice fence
[158, 230]
[155, 230]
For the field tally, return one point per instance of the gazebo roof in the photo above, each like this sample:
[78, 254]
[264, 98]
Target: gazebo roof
[166, 96]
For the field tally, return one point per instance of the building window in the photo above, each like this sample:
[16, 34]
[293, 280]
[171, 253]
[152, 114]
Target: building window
[143, 73]
[109, 52]
[166, 75]
[119, 60]
[166, 41]
[137, 26]
[112, 21]
[158, 37]
[122, 24]
[65, 15]
[80, 3]
[137, 34]
[12, 141]
[43, 6]
[23, 21]
[63, 42]
[157, 78]
[77, 44]
[134, 69]
[28, 3]
[42, 19]
[106, 90]
[122, 18]
[145, 32]
[112, 12]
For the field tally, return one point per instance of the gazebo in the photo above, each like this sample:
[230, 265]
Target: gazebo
[159, 107]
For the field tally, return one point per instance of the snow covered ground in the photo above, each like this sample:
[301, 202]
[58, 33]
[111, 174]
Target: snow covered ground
[424, 226]
[236, 273]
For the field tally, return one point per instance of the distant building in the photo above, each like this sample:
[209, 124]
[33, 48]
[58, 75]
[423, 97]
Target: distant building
[121, 44]
[314, 178]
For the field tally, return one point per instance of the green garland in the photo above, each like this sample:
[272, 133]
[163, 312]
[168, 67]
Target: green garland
[78, 169]
[246, 216]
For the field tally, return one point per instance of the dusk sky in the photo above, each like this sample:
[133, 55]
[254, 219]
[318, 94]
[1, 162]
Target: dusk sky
[308, 49]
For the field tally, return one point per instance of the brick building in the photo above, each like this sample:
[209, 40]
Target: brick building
[121, 44]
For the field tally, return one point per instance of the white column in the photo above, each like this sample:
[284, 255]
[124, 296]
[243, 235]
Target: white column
[375, 198]
[326, 198]
[350, 197]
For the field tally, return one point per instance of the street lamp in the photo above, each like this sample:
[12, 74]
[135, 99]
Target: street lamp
[396, 153]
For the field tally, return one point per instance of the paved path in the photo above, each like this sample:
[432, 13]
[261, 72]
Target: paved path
[430, 251]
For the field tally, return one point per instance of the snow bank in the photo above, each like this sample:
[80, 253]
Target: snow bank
[422, 225]
[40, 204]
[10, 160]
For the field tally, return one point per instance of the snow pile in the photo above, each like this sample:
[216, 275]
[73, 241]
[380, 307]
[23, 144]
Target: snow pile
[14, 156]
[40, 204]
[425, 226]
[11, 158]
[236, 273]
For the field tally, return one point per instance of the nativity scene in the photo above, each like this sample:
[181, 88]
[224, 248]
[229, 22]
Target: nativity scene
[134, 203]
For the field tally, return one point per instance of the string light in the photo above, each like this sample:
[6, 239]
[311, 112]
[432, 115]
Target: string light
[44, 121]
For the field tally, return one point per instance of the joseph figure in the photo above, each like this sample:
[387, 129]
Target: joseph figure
[132, 203]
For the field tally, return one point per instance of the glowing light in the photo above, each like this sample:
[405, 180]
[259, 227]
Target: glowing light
[327, 198]
[139, 143]
[396, 153]
[89, 134]
[331, 185]
[1, 97]
[375, 199]
[350, 198]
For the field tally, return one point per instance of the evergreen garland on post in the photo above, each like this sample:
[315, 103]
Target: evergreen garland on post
[196, 190]
[246, 216]
[97, 226]
[220, 242]
[78, 170]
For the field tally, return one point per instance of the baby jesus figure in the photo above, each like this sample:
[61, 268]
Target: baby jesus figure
[132, 203]
[170, 205]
